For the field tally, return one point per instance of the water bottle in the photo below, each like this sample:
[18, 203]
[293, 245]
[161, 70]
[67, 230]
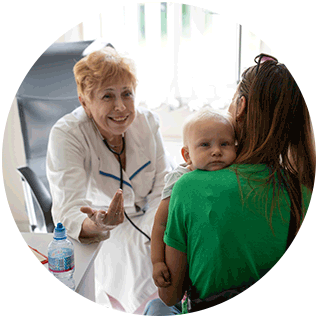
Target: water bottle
[61, 257]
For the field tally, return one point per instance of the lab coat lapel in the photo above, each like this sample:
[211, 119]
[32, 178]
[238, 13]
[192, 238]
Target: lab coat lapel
[109, 167]
[136, 158]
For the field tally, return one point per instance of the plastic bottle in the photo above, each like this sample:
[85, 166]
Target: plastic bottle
[61, 257]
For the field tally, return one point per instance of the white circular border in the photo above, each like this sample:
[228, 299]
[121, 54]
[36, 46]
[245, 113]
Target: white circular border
[29, 27]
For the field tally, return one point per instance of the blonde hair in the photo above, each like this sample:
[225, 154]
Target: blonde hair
[101, 68]
[201, 115]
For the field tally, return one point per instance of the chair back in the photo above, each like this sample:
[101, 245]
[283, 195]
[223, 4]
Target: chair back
[47, 93]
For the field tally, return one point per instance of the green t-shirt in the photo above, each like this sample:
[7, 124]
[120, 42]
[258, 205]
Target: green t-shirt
[223, 226]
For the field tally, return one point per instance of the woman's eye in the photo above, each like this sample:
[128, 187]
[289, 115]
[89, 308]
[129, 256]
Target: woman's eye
[107, 96]
[224, 144]
[127, 94]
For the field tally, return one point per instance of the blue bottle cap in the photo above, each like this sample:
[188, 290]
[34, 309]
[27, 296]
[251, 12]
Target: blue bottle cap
[59, 232]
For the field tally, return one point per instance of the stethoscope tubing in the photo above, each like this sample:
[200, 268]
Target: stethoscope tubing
[118, 154]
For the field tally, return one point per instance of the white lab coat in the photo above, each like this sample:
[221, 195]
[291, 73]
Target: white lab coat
[83, 172]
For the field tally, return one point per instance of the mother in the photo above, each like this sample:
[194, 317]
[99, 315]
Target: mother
[231, 226]
[102, 142]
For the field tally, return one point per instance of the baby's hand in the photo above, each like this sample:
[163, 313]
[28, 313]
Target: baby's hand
[161, 275]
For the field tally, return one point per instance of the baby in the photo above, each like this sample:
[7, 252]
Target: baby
[208, 144]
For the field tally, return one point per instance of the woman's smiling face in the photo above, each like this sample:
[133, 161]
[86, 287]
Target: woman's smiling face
[113, 109]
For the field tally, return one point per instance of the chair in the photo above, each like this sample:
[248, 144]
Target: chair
[46, 94]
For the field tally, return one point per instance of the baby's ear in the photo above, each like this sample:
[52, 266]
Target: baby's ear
[186, 155]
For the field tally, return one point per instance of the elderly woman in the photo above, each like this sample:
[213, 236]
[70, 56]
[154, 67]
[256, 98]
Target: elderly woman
[104, 159]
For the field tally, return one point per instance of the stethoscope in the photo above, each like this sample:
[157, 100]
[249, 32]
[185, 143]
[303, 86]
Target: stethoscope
[122, 179]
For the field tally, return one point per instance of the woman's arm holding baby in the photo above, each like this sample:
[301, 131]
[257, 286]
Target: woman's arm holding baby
[177, 265]
[161, 275]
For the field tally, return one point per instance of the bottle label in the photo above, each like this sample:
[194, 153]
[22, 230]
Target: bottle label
[59, 262]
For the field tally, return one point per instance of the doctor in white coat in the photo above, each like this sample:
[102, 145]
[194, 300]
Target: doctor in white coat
[85, 151]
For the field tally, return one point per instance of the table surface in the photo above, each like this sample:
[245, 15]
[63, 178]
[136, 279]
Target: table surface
[84, 254]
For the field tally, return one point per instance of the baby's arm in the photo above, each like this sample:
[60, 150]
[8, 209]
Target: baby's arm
[161, 275]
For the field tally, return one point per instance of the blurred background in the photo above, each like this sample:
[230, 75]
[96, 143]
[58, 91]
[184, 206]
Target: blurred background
[186, 57]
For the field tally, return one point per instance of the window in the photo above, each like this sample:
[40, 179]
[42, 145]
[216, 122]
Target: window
[141, 28]
[164, 29]
[186, 57]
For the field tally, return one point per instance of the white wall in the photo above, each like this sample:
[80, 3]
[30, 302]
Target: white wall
[73, 35]
[13, 157]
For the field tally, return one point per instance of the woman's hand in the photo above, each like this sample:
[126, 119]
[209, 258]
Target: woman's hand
[107, 220]
[99, 221]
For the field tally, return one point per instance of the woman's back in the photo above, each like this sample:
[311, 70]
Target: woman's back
[226, 227]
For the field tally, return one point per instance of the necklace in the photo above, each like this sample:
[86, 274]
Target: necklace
[115, 146]
[105, 141]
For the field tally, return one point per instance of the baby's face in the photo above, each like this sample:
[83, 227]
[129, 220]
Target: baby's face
[211, 145]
